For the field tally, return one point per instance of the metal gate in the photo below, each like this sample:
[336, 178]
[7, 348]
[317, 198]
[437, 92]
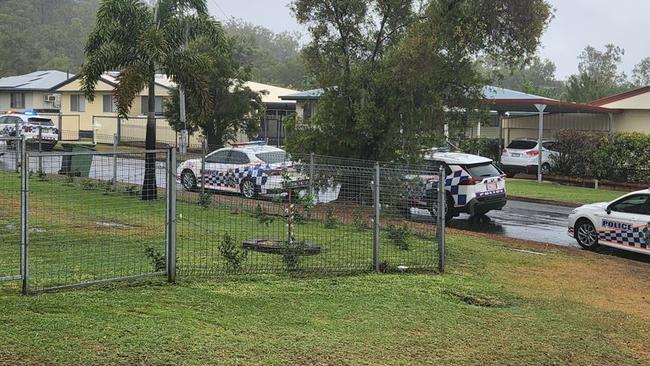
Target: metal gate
[11, 221]
[88, 222]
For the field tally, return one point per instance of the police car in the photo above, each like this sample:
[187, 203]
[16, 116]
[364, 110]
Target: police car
[250, 169]
[473, 184]
[623, 223]
[30, 125]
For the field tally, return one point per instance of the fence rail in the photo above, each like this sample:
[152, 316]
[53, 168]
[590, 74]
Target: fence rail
[83, 218]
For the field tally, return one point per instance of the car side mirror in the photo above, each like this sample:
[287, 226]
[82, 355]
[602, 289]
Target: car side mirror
[608, 210]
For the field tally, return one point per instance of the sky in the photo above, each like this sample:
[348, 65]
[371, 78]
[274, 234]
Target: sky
[577, 23]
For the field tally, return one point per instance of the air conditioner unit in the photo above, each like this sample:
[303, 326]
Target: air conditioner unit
[51, 98]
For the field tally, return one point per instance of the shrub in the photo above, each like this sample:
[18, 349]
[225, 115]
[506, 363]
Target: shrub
[486, 147]
[399, 236]
[156, 257]
[330, 220]
[231, 253]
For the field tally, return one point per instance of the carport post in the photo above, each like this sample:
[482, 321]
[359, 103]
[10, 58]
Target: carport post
[501, 113]
[540, 108]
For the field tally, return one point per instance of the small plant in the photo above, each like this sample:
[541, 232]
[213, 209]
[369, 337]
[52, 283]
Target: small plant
[358, 220]
[205, 200]
[291, 254]
[41, 175]
[132, 190]
[69, 177]
[399, 236]
[232, 254]
[330, 220]
[87, 184]
[262, 216]
[157, 258]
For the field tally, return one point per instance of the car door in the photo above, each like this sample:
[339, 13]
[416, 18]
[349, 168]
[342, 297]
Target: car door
[237, 163]
[216, 168]
[626, 224]
[548, 151]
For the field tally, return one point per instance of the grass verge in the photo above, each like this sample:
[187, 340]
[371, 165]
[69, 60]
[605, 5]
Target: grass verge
[558, 192]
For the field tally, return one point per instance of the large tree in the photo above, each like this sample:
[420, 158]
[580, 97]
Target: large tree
[232, 107]
[641, 73]
[140, 40]
[394, 70]
[598, 75]
[537, 76]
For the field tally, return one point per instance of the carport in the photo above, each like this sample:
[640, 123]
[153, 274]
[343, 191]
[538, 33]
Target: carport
[503, 101]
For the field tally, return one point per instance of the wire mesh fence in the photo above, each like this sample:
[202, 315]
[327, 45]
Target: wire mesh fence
[95, 217]
[10, 225]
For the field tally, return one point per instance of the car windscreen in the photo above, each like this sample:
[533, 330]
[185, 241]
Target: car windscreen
[522, 145]
[41, 121]
[273, 157]
[483, 170]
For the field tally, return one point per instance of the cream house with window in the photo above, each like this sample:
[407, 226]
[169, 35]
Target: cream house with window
[33, 91]
[100, 115]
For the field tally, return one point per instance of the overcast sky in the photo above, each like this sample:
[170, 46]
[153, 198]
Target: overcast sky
[577, 23]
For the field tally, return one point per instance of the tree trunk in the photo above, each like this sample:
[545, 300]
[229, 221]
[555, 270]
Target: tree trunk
[149, 187]
[214, 137]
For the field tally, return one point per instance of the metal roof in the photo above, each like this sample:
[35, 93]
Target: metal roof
[502, 100]
[34, 81]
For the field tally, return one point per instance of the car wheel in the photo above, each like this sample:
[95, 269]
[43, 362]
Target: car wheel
[546, 169]
[449, 213]
[188, 180]
[586, 234]
[248, 188]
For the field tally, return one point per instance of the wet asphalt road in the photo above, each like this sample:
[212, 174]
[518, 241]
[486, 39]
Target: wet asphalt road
[519, 220]
[523, 220]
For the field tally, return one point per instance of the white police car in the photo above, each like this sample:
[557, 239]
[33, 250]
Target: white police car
[30, 125]
[473, 185]
[623, 223]
[250, 169]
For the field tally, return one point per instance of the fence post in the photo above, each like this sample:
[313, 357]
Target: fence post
[24, 217]
[116, 140]
[441, 202]
[204, 152]
[171, 216]
[311, 175]
[40, 149]
[375, 222]
[18, 144]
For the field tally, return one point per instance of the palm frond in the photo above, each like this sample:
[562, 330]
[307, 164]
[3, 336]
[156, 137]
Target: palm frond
[109, 56]
[132, 80]
[168, 9]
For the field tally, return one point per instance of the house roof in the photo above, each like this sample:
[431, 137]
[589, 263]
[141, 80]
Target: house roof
[35, 81]
[270, 93]
[621, 96]
[111, 78]
[500, 99]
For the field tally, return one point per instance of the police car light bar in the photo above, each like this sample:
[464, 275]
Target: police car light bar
[250, 143]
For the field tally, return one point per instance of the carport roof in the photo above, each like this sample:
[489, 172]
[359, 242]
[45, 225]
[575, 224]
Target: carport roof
[501, 100]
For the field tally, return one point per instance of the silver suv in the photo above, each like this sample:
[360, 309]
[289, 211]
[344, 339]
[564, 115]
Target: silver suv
[30, 125]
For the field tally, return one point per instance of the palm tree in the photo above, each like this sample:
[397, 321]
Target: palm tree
[139, 40]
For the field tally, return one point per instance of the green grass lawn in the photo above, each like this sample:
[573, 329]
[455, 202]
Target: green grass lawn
[559, 192]
[497, 304]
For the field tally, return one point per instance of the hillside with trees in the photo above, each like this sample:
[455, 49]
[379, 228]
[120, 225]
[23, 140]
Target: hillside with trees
[44, 34]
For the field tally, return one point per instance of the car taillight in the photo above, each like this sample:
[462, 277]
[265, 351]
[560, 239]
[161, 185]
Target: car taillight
[532, 152]
[470, 182]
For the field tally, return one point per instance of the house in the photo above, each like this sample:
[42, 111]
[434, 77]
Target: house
[100, 116]
[33, 91]
[277, 109]
[634, 107]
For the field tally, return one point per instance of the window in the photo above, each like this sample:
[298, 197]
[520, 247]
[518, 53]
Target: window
[273, 157]
[77, 103]
[4, 120]
[434, 166]
[522, 145]
[238, 157]
[485, 170]
[159, 105]
[307, 111]
[41, 122]
[637, 204]
[550, 145]
[17, 100]
[110, 104]
[218, 157]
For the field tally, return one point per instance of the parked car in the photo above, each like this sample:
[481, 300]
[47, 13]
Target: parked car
[473, 184]
[30, 125]
[522, 156]
[251, 169]
[623, 223]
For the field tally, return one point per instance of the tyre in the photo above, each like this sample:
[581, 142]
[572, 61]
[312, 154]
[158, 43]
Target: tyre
[546, 169]
[586, 234]
[449, 213]
[188, 180]
[248, 188]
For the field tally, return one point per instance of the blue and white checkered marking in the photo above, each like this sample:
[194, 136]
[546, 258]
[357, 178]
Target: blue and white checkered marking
[232, 178]
[636, 236]
[452, 184]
